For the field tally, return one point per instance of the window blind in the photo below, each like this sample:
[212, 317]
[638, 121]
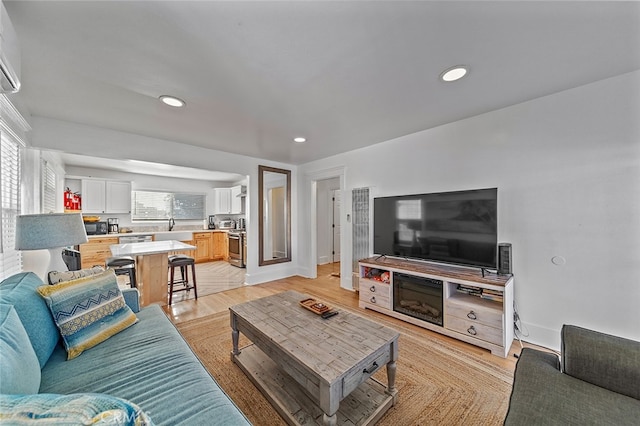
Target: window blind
[10, 258]
[48, 187]
[188, 206]
[149, 205]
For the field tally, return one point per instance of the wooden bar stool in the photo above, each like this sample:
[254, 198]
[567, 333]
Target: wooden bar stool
[124, 265]
[183, 262]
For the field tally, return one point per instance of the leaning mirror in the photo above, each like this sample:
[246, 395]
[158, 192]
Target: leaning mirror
[274, 211]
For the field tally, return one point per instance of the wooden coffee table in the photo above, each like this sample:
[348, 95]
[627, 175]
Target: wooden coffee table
[305, 365]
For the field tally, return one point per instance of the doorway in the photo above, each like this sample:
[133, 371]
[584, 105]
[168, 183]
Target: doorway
[328, 208]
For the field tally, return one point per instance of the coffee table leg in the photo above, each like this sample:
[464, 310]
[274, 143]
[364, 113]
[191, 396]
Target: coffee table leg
[330, 420]
[391, 377]
[235, 335]
[391, 373]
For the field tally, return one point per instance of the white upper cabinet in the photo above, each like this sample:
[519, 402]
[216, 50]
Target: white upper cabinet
[118, 197]
[106, 196]
[94, 196]
[222, 201]
[228, 200]
[236, 200]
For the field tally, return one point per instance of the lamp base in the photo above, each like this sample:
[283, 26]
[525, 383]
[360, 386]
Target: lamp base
[41, 262]
[56, 263]
[36, 261]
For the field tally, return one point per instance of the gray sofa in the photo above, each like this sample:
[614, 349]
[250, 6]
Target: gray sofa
[148, 363]
[596, 381]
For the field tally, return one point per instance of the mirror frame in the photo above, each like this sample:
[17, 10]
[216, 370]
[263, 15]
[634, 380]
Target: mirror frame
[261, 171]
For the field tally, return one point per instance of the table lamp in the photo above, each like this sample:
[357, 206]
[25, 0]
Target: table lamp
[53, 232]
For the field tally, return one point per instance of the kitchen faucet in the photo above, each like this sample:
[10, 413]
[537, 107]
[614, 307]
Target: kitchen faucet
[172, 223]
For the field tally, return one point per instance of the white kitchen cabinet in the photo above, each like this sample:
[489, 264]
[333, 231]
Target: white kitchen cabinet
[228, 200]
[94, 196]
[106, 196]
[118, 197]
[222, 200]
[236, 200]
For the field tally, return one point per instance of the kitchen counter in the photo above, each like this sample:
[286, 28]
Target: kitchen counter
[154, 247]
[133, 234]
[151, 265]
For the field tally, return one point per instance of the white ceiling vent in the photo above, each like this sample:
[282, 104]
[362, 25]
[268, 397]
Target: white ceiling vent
[9, 55]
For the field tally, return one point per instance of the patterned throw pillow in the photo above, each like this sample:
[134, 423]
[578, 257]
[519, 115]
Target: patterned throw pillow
[56, 277]
[88, 311]
[74, 409]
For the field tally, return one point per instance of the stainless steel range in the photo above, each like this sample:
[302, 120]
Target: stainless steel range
[237, 248]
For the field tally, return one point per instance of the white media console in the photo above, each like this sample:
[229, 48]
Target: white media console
[456, 301]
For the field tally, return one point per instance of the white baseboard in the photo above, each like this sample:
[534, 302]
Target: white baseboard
[541, 336]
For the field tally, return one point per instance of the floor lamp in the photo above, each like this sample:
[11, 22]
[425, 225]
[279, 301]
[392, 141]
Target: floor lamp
[53, 232]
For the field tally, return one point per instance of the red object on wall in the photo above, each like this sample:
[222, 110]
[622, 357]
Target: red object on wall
[72, 201]
[68, 199]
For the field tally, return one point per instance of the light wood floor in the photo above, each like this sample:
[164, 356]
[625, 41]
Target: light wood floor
[327, 288]
[213, 277]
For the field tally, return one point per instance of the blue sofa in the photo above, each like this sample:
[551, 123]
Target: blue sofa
[148, 363]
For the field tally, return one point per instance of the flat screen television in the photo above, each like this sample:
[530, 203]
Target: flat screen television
[451, 227]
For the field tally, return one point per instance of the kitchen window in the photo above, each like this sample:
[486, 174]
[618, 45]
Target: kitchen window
[151, 205]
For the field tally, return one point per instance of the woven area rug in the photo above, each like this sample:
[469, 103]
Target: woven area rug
[438, 383]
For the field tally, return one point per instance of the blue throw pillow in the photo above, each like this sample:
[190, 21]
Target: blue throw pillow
[19, 367]
[74, 409]
[20, 291]
[88, 310]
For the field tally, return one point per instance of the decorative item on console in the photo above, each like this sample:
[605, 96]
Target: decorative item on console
[377, 275]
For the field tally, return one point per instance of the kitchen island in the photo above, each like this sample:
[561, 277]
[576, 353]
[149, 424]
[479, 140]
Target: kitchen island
[152, 265]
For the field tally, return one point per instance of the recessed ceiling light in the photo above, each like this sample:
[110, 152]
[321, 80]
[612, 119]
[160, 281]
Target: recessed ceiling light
[299, 140]
[454, 73]
[172, 101]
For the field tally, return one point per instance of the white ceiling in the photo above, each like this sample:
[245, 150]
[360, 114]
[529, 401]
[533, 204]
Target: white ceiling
[343, 74]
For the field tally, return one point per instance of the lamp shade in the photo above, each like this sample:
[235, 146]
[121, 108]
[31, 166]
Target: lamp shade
[46, 231]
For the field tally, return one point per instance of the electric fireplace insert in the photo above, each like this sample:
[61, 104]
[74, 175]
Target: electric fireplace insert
[418, 297]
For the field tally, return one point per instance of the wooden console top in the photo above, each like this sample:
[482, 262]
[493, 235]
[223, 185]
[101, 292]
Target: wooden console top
[440, 270]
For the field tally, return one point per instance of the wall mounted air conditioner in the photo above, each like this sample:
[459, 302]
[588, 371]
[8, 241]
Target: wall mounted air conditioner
[9, 55]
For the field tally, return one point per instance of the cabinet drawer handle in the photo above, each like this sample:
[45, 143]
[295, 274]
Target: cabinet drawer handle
[372, 289]
[371, 369]
[373, 299]
[472, 315]
[471, 330]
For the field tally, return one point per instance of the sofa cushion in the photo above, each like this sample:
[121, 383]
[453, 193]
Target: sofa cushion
[20, 291]
[20, 371]
[78, 409]
[56, 277]
[151, 365]
[601, 359]
[88, 310]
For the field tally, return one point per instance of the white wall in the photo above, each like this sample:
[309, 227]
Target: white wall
[567, 168]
